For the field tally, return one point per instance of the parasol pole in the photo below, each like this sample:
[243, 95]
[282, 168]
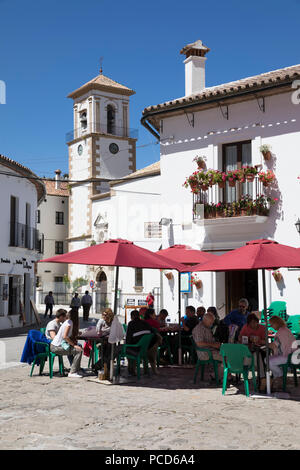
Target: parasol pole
[179, 319]
[111, 372]
[268, 375]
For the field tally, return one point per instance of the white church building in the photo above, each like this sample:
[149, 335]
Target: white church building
[228, 125]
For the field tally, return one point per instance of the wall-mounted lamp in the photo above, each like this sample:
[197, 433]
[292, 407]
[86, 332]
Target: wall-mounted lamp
[297, 225]
[165, 221]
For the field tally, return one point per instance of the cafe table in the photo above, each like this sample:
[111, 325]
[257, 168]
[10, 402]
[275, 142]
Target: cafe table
[94, 338]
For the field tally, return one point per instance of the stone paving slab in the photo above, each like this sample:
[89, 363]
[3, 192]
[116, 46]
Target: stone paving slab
[163, 412]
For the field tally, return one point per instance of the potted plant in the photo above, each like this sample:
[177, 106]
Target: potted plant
[192, 182]
[277, 276]
[204, 180]
[169, 276]
[219, 178]
[196, 282]
[220, 209]
[250, 172]
[266, 177]
[266, 151]
[231, 177]
[200, 162]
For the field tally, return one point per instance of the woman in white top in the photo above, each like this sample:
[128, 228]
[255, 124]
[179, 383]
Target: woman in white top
[65, 342]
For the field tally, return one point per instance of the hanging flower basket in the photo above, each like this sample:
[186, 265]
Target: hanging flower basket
[198, 284]
[265, 150]
[221, 184]
[250, 178]
[169, 276]
[277, 276]
[204, 187]
[231, 183]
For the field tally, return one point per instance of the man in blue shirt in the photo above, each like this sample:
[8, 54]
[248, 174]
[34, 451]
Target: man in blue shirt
[238, 316]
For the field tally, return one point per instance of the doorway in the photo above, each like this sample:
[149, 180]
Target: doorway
[101, 292]
[241, 284]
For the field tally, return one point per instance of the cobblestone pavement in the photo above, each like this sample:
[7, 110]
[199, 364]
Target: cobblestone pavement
[163, 412]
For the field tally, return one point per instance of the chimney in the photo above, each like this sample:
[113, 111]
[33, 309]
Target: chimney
[194, 67]
[57, 179]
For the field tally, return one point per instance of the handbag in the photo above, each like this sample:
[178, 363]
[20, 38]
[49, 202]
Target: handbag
[65, 345]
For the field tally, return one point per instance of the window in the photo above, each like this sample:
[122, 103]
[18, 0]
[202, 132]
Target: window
[59, 248]
[59, 218]
[235, 156]
[138, 277]
[58, 279]
[152, 230]
[38, 216]
[110, 119]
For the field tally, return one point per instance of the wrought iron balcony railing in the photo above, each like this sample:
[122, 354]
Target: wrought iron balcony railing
[23, 236]
[101, 128]
[243, 199]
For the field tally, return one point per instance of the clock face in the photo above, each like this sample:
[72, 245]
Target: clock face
[79, 149]
[114, 148]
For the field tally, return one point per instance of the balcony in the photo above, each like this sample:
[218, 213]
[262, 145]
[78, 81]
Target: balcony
[23, 236]
[98, 128]
[243, 200]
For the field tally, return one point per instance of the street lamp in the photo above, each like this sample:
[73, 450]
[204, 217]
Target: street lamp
[165, 221]
[297, 225]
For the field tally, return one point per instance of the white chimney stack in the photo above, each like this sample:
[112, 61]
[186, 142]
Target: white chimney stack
[57, 179]
[194, 67]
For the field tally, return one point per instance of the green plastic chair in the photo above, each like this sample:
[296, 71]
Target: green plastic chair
[50, 356]
[43, 330]
[293, 367]
[142, 348]
[233, 361]
[278, 308]
[188, 348]
[94, 352]
[293, 325]
[204, 362]
[124, 327]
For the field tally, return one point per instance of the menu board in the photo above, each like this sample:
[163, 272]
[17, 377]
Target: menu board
[185, 282]
[130, 302]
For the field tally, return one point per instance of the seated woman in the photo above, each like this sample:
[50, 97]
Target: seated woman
[65, 342]
[284, 344]
[103, 326]
[255, 332]
[150, 318]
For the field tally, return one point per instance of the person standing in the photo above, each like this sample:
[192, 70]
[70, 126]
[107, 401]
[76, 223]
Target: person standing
[75, 302]
[49, 301]
[86, 303]
[150, 300]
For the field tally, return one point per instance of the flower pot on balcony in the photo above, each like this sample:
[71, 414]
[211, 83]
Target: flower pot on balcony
[204, 187]
[219, 214]
[250, 178]
[232, 183]
[201, 165]
[221, 184]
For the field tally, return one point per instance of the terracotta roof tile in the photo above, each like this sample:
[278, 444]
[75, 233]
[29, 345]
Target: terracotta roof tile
[51, 191]
[273, 77]
[104, 83]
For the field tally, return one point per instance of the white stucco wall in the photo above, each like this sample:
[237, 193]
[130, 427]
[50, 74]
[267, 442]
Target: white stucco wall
[21, 260]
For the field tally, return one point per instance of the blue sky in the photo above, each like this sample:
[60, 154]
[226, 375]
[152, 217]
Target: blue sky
[50, 48]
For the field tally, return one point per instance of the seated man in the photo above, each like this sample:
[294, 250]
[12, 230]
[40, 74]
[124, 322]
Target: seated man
[203, 338]
[200, 312]
[54, 325]
[162, 316]
[238, 316]
[189, 321]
